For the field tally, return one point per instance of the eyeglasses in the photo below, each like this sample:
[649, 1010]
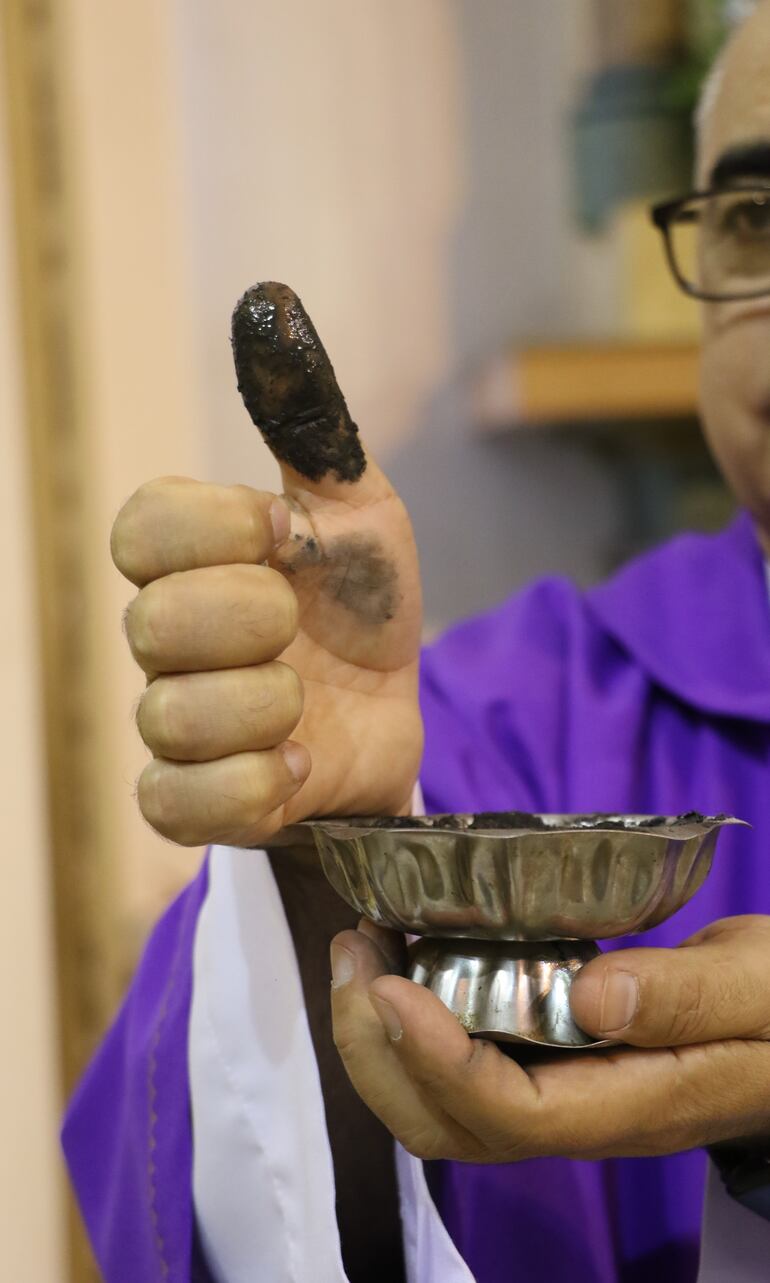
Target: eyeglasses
[718, 242]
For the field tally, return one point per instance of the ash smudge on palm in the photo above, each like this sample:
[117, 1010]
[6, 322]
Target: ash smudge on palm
[352, 571]
[289, 388]
[361, 579]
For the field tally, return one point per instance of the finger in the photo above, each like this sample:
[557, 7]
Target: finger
[488, 1096]
[238, 800]
[290, 390]
[714, 987]
[197, 717]
[626, 1102]
[356, 957]
[391, 944]
[369, 1057]
[217, 617]
[177, 524]
[636, 1103]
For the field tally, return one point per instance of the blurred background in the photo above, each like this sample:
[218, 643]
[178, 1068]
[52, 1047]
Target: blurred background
[459, 192]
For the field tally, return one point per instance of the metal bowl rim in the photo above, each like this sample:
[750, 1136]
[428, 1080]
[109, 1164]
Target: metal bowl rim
[676, 827]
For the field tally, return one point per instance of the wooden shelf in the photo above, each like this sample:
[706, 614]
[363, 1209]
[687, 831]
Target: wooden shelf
[587, 383]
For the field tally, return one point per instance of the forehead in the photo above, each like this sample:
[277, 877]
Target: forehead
[740, 115]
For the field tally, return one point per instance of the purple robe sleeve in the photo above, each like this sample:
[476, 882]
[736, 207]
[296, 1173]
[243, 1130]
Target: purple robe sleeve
[127, 1135]
[493, 695]
[649, 694]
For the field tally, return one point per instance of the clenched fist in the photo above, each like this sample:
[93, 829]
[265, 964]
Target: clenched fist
[279, 635]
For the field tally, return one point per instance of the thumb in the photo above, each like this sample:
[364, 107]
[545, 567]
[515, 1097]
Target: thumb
[715, 986]
[290, 390]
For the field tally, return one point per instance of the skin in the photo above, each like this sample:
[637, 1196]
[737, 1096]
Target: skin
[338, 601]
[289, 387]
[296, 695]
[735, 371]
[696, 1019]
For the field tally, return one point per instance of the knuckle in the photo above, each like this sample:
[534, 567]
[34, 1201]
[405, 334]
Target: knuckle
[161, 719]
[482, 1055]
[275, 606]
[254, 505]
[292, 694]
[433, 1081]
[261, 605]
[682, 1018]
[144, 625]
[504, 1148]
[155, 800]
[132, 528]
[419, 1147]
[257, 833]
[124, 549]
[159, 798]
[146, 719]
[252, 792]
[270, 702]
[428, 1142]
[442, 1081]
[287, 607]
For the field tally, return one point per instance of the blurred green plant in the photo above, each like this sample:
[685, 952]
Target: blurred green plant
[632, 134]
[706, 24]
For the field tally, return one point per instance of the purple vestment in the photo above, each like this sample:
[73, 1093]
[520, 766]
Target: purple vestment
[650, 693]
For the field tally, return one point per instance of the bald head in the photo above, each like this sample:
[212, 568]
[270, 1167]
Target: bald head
[734, 114]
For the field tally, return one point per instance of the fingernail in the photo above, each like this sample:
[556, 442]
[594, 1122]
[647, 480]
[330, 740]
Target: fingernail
[388, 1015]
[280, 520]
[620, 998]
[343, 965]
[297, 759]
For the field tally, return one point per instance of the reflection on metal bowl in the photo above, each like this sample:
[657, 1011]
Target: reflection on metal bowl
[550, 878]
[510, 992]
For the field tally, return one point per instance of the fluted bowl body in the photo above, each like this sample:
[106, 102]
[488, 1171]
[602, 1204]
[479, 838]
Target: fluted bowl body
[514, 876]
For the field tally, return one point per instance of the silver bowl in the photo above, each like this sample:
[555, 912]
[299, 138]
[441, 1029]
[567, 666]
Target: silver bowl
[507, 884]
[544, 877]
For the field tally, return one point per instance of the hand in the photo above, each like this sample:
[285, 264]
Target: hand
[697, 1070]
[321, 644]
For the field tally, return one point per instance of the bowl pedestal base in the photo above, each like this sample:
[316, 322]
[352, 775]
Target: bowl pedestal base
[507, 990]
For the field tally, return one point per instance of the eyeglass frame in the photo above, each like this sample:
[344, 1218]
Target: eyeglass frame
[662, 215]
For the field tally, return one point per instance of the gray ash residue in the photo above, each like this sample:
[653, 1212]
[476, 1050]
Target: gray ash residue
[361, 578]
[289, 388]
[352, 571]
[489, 821]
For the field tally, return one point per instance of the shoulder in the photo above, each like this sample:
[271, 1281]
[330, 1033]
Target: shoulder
[538, 619]
[495, 690]
[683, 612]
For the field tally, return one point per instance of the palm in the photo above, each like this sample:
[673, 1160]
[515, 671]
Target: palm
[353, 564]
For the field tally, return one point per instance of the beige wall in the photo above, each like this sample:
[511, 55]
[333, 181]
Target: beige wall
[211, 147]
[31, 1204]
[323, 147]
[143, 392]
[137, 407]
